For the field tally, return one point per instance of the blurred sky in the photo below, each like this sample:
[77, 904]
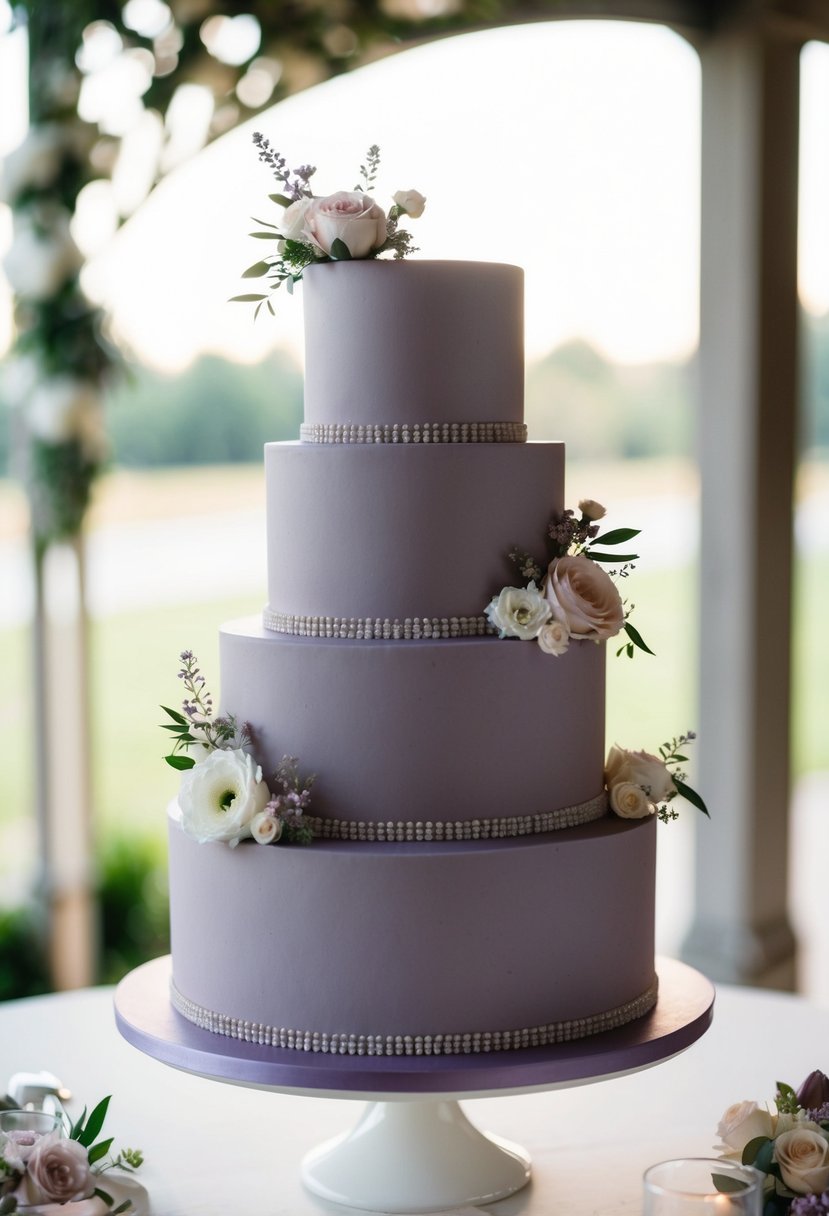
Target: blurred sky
[569, 148]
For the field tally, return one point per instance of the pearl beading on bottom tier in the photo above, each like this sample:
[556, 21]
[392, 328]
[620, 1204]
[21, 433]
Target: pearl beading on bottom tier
[471, 829]
[467, 1043]
[375, 628]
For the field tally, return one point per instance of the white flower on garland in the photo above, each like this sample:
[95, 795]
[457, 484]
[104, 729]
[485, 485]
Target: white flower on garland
[518, 612]
[220, 796]
[43, 256]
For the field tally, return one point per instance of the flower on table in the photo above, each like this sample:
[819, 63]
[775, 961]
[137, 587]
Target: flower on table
[639, 784]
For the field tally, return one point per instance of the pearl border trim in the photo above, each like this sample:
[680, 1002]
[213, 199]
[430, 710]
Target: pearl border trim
[470, 829]
[470, 1043]
[377, 628]
[413, 432]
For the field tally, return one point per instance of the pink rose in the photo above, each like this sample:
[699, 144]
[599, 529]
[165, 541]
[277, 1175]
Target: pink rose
[58, 1171]
[348, 216]
[584, 596]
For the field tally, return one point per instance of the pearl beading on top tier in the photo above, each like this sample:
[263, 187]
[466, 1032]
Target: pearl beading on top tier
[413, 432]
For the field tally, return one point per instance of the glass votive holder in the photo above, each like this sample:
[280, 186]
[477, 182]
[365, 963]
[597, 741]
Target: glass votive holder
[28, 1123]
[703, 1186]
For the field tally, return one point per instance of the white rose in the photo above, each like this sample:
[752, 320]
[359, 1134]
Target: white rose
[348, 216]
[410, 201]
[742, 1122]
[640, 768]
[519, 612]
[42, 257]
[584, 595]
[265, 828]
[58, 1171]
[803, 1157]
[220, 796]
[630, 801]
[591, 509]
[554, 637]
[293, 219]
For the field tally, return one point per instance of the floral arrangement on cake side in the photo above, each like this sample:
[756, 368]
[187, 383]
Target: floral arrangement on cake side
[223, 795]
[788, 1142]
[337, 227]
[639, 784]
[56, 1171]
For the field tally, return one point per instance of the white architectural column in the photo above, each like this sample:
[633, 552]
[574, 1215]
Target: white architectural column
[748, 413]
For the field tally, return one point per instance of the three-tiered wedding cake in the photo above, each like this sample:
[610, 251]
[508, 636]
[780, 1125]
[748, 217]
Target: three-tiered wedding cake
[467, 889]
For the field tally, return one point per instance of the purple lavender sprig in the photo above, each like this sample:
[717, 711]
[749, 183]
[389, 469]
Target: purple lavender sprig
[289, 805]
[296, 186]
[810, 1205]
[195, 724]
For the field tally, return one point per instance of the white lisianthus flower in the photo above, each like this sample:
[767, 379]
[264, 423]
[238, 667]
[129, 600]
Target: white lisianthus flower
[292, 223]
[629, 801]
[803, 1157]
[742, 1122]
[591, 509]
[640, 768]
[220, 796]
[265, 828]
[554, 637]
[349, 216]
[584, 595]
[410, 201]
[519, 612]
[42, 257]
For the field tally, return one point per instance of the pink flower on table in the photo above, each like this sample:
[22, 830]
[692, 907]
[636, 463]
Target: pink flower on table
[348, 216]
[58, 1171]
[585, 597]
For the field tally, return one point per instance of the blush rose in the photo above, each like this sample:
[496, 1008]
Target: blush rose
[803, 1157]
[348, 216]
[58, 1171]
[585, 597]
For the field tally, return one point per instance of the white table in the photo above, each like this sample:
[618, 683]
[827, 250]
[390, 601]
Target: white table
[219, 1150]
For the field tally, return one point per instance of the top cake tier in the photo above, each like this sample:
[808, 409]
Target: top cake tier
[398, 343]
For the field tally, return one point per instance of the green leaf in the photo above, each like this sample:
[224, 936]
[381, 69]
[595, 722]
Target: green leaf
[340, 251]
[611, 557]
[617, 537]
[266, 236]
[122, 1207]
[100, 1150]
[264, 223]
[175, 715]
[282, 199]
[246, 299]
[77, 1128]
[761, 1148]
[102, 1194]
[180, 762]
[636, 637]
[691, 796]
[94, 1123]
[727, 1185]
[256, 270]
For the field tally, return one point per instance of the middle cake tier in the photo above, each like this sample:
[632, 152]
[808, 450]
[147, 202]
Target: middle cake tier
[439, 739]
[397, 532]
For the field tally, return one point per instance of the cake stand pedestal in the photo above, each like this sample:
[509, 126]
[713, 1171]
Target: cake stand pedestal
[414, 1149]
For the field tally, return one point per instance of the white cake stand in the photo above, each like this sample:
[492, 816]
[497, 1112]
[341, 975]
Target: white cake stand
[414, 1150]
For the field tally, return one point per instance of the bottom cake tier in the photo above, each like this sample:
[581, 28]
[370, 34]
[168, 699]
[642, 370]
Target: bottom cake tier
[399, 949]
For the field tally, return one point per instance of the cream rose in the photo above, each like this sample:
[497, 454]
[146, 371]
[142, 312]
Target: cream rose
[348, 216]
[410, 201]
[640, 768]
[265, 828]
[630, 801]
[584, 596]
[591, 509]
[744, 1121]
[58, 1171]
[519, 612]
[293, 219]
[803, 1157]
[220, 796]
[554, 637]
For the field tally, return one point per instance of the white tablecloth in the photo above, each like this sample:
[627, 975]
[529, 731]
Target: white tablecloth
[220, 1150]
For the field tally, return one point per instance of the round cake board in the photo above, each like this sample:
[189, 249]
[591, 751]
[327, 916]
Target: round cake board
[414, 1149]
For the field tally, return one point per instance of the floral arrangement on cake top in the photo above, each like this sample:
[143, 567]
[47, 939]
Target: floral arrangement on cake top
[328, 228]
[639, 784]
[788, 1143]
[223, 795]
[56, 1170]
[569, 597]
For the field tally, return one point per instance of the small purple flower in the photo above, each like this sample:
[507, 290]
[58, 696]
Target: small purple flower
[814, 1091]
[810, 1205]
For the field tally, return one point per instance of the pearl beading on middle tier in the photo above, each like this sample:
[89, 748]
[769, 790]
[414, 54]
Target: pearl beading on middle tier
[413, 432]
[376, 628]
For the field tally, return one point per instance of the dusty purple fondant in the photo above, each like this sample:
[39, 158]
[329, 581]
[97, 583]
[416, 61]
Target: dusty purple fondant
[414, 341]
[400, 531]
[473, 728]
[416, 939]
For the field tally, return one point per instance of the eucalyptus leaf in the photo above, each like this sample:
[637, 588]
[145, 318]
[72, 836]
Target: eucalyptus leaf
[340, 250]
[257, 309]
[636, 637]
[691, 796]
[266, 236]
[246, 299]
[282, 199]
[100, 1150]
[94, 1123]
[180, 762]
[257, 270]
[728, 1185]
[271, 309]
[617, 536]
[612, 557]
[264, 223]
